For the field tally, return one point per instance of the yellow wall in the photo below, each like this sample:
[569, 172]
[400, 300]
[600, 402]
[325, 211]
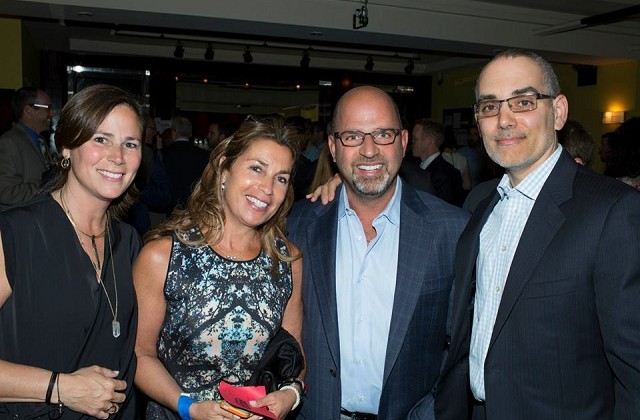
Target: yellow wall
[30, 60]
[453, 90]
[617, 89]
[11, 47]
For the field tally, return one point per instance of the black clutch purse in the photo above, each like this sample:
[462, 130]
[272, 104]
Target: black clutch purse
[281, 361]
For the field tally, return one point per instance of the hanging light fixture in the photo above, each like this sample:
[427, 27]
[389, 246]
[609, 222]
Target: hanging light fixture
[208, 54]
[247, 57]
[179, 51]
[305, 60]
[409, 67]
[369, 65]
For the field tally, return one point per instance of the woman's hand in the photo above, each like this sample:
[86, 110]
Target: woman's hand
[91, 390]
[279, 402]
[327, 191]
[211, 410]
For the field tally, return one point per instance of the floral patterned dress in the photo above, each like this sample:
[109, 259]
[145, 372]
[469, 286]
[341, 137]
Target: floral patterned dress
[219, 318]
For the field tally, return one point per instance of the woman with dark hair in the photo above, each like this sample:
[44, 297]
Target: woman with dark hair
[67, 304]
[217, 280]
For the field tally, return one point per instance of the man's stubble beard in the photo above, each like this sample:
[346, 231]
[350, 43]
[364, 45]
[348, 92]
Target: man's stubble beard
[372, 187]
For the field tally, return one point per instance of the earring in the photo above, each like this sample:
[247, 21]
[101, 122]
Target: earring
[65, 163]
[222, 184]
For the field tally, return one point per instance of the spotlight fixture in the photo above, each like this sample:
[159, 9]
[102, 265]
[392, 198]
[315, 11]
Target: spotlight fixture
[305, 60]
[369, 65]
[208, 54]
[179, 51]
[361, 16]
[247, 57]
[409, 67]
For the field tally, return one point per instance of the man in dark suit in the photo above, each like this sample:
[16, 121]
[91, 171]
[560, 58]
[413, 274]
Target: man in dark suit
[377, 275]
[545, 321]
[428, 136]
[183, 161]
[24, 154]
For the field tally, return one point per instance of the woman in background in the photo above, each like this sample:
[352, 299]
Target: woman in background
[67, 304]
[217, 281]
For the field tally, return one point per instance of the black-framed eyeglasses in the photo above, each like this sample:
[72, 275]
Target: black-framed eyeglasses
[518, 103]
[381, 136]
[43, 106]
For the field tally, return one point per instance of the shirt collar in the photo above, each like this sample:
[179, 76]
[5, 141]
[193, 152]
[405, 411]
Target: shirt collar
[391, 212]
[31, 132]
[427, 161]
[530, 186]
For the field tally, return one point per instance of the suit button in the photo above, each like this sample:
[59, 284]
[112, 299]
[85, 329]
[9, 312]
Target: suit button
[333, 373]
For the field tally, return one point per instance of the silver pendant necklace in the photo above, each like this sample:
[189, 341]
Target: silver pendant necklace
[115, 324]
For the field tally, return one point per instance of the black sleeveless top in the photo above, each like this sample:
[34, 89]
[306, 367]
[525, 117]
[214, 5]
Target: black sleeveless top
[57, 316]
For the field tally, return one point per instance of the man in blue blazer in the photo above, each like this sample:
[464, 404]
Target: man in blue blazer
[546, 322]
[378, 270]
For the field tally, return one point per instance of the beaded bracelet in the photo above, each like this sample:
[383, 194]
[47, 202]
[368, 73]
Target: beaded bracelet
[293, 381]
[294, 389]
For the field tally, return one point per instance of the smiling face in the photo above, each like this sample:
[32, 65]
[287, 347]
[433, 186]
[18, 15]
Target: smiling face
[256, 184]
[369, 171]
[104, 166]
[519, 142]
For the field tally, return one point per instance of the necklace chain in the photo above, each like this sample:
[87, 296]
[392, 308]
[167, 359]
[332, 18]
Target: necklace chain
[115, 324]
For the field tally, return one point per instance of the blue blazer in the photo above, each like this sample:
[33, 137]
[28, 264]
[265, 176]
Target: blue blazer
[566, 341]
[429, 230]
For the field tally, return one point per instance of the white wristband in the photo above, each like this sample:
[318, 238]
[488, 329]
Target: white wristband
[294, 389]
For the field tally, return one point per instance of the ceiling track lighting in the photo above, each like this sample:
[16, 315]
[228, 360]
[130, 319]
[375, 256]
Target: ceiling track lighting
[247, 56]
[179, 51]
[361, 16]
[409, 67]
[369, 65]
[305, 60]
[208, 54]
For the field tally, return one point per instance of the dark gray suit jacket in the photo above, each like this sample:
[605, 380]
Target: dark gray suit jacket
[566, 341]
[21, 167]
[429, 230]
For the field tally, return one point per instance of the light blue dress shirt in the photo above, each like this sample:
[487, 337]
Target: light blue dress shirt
[365, 288]
[499, 239]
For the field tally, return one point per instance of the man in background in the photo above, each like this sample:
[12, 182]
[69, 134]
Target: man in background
[428, 136]
[183, 161]
[24, 154]
[578, 142]
[218, 131]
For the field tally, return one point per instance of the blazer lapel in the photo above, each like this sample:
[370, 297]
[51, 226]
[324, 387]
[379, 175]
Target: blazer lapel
[416, 240]
[465, 282]
[541, 227]
[322, 263]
